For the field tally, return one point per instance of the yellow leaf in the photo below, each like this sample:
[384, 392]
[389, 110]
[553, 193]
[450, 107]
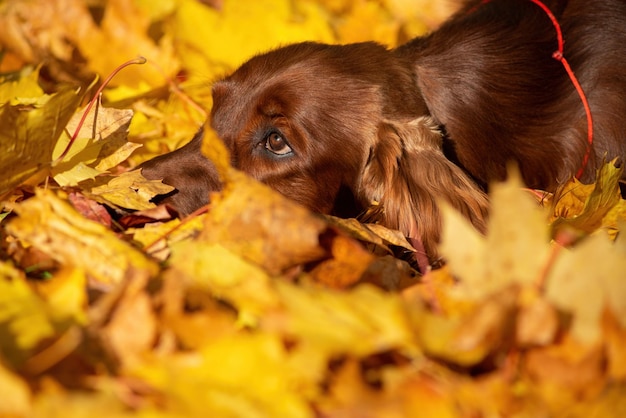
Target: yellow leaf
[518, 238]
[238, 376]
[66, 295]
[615, 340]
[124, 33]
[391, 237]
[225, 275]
[467, 340]
[361, 321]
[357, 230]
[369, 21]
[583, 207]
[463, 247]
[155, 236]
[98, 142]
[79, 172]
[28, 136]
[576, 370]
[82, 404]
[40, 30]
[586, 279]
[22, 309]
[54, 227]
[131, 190]
[23, 91]
[259, 224]
[375, 234]
[16, 395]
[420, 16]
[131, 330]
[211, 41]
[515, 249]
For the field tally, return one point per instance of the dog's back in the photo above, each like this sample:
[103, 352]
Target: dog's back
[489, 78]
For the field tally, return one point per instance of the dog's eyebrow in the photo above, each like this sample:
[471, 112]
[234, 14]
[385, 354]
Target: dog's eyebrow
[271, 107]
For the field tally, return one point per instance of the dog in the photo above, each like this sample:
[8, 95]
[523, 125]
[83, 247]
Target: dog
[360, 128]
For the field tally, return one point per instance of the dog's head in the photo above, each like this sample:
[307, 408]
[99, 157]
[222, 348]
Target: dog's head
[303, 118]
[312, 120]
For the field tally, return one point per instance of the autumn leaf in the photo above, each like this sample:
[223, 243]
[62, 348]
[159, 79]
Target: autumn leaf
[100, 145]
[584, 207]
[52, 225]
[570, 288]
[29, 135]
[255, 307]
[16, 394]
[215, 380]
[22, 310]
[24, 91]
[130, 190]
[343, 322]
[225, 34]
[236, 221]
[516, 247]
[226, 275]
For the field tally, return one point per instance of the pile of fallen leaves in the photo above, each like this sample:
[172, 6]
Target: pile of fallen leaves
[111, 306]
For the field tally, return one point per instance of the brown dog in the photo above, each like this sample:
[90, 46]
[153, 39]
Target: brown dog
[338, 127]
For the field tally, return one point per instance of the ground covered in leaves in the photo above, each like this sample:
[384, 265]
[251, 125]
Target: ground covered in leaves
[111, 306]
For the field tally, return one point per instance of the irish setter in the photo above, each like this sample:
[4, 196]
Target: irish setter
[341, 127]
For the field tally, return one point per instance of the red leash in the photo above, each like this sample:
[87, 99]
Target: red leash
[558, 55]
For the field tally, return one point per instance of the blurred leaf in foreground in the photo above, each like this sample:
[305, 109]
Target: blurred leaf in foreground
[54, 227]
[585, 288]
[225, 275]
[16, 395]
[238, 376]
[262, 226]
[22, 309]
[515, 249]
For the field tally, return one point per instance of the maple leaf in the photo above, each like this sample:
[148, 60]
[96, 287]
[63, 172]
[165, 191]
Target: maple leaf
[22, 309]
[100, 145]
[29, 135]
[227, 276]
[130, 190]
[215, 381]
[570, 288]
[24, 91]
[16, 395]
[260, 308]
[237, 222]
[516, 247]
[211, 41]
[586, 208]
[53, 226]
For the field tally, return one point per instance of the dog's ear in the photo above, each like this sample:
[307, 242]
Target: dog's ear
[407, 174]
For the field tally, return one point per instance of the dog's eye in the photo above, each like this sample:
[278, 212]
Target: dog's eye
[276, 144]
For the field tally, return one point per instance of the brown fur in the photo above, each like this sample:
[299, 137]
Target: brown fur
[438, 118]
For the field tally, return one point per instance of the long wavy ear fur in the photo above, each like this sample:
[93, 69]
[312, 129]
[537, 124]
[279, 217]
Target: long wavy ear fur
[407, 173]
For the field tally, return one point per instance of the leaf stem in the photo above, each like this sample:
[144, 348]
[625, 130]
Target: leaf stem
[96, 97]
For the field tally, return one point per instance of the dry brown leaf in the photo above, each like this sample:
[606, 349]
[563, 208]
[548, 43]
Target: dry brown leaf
[348, 262]
[131, 329]
[615, 340]
[576, 370]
